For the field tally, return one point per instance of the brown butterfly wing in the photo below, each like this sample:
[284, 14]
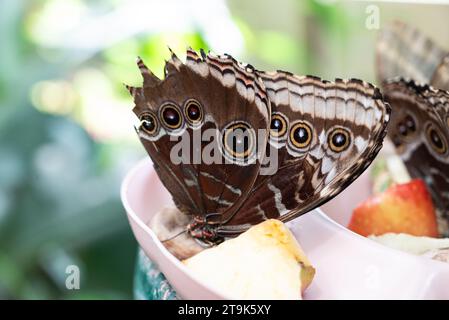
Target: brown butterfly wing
[440, 78]
[419, 129]
[313, 174]
[225, 92]
[403, 51]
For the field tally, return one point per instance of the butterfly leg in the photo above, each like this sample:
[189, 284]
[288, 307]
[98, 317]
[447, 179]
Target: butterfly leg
[203, 230]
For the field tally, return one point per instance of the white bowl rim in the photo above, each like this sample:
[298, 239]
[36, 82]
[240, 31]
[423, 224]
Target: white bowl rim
[318, 212]
[177, 263]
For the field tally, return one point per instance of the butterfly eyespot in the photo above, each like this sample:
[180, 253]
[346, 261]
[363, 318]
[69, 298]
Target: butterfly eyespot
[301, 135]
[278, 125]
[239, 141]
[339, 139]
[410, 123]
[436, 139]
[407, 126]
[193, 112]
[402, 129]
[171, 117]
[149, 124]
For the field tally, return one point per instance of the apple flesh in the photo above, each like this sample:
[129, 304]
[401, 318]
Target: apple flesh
[265, 262]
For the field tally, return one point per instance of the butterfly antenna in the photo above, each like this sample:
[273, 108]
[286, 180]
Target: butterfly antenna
[173, 237]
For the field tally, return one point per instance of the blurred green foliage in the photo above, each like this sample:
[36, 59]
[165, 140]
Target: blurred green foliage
[59, 187]
[58, 201]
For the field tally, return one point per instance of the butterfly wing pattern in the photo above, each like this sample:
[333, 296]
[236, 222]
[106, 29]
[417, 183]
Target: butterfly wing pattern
[414, 72]
[320, 135]
[403, 51]
[325, 135]
[419, 129]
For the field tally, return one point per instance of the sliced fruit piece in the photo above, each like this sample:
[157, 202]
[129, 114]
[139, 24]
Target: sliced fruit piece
[265, 262]
[434, 248]
[411, 244]
[402, 208]
[438, 254]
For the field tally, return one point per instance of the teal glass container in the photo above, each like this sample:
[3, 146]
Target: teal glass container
[149, 282]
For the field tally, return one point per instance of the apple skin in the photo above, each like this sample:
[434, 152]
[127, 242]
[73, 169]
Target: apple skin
[402, 208]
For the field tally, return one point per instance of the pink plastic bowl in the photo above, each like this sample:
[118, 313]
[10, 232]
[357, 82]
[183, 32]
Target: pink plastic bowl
[347, 265]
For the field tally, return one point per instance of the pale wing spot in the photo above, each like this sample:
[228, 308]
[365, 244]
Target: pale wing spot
[327, 164]
[199, 67]
[261, 213]
[340, 111]
[359, 117]
[190, 183]
[320, 108]
[360, 144]
[277, 198]
[308, 99]
[369, 119]
[241, 89]
[216, 74]
[330, 175]
[228, 80]
[220, 201]
[228, 186]
[435, 172]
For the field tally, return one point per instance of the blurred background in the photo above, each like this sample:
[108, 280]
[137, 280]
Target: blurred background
[66, 126]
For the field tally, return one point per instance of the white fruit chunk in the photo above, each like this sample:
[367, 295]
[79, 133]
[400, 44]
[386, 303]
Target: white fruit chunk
[265, 262]
[435, 248]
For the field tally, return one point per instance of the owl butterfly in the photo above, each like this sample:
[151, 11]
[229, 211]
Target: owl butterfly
[419, 126]
[403, 51]
[322, 134]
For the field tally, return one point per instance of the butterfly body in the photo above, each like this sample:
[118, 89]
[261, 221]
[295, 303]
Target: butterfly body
[236, 146]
